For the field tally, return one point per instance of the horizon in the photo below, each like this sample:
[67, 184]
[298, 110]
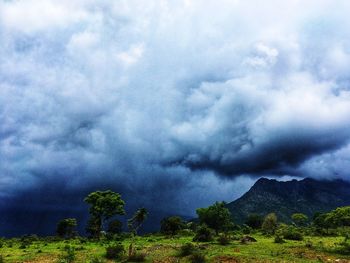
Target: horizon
[173, 103]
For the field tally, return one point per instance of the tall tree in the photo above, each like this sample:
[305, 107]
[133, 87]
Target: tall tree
[216, 216]
[103, 206]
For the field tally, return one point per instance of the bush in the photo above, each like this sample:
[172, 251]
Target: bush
[115, 252]
[223, 240]
[292, 233]
[198, 257]
[279, 239]
[187, 249]
[2, 259]
[68, 256]
[345, 246]
[203, 234]
[97, 260]
[137, 257]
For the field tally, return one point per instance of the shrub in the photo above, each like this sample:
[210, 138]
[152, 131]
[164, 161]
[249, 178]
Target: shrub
[269, 225]
[198, 257]
[279, 239]
[2, 259]
[68, 256]
[246, 229]
[115, 252]
[187, 249]
[292, 233]
[223, 240]
[137, 257]
[97, 260]
[203, 234]
[345, 246]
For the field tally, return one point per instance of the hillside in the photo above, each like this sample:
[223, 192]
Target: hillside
[307, 196]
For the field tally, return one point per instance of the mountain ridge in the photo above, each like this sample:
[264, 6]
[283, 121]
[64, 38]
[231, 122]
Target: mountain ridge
[284, 198]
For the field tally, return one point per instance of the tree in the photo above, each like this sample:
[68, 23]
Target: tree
[66, 227]
[300, 219]
[216, 216]
[137, 220]
[171, 225]
[339, 217]
[269, 225]
[103, 206]
[254, 221]
[134, 224]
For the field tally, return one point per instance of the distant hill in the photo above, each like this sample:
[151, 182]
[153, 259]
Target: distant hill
[307, 196]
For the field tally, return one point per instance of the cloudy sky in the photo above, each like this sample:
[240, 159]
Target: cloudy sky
[172, 103]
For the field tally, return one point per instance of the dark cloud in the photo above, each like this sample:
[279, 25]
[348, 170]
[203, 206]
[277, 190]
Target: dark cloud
[173, 104]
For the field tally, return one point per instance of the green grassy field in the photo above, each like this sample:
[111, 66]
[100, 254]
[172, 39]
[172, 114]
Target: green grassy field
[159, 248]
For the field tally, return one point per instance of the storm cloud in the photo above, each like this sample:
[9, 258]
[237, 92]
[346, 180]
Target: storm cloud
[164, 101]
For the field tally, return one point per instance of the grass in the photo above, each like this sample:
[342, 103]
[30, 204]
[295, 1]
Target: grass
[159, 248]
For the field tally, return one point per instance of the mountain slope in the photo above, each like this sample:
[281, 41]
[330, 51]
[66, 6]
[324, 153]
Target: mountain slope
[307, 196]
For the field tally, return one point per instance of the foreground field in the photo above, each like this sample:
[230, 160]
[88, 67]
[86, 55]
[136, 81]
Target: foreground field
[164, 249]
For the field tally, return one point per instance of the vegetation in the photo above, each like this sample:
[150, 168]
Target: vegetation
[216, 216]
[324, 239]
[171, 225]
[103, 206]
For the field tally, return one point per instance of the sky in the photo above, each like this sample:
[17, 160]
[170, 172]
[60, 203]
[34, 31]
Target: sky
[174, 104]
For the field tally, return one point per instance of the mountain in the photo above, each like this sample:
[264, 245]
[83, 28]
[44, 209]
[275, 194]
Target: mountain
[307, 196]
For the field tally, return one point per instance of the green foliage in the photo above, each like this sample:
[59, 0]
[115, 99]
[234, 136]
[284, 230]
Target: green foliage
[269, 225]
[68, 255]
[224, 240]
[103, 206]
[187, 249]
[300, 219]
[254, 221]
[115, 252]
[344, 246]
[66, 228]
[216, 216]
[137, 257]
[171, 225]
[198, 257]
[292, 233]
[97, 259]
[339, 217]
[203, 234]
[2, 259]
[279, 239]
[137, 220]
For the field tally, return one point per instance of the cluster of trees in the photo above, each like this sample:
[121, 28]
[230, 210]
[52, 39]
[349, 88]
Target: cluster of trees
[105, 206]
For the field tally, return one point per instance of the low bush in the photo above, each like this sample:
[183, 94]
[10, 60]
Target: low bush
[292, 233]
[198, 257]
[223, 240]
[97, 260]
[115, 252]
[187, 249]
[137, 257]
[2, 259]
[279, 239]
[68, 255]
[203, 234]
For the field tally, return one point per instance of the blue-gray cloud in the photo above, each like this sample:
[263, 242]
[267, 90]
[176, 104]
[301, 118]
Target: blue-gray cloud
[167, 99]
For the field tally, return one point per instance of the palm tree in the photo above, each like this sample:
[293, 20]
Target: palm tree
[134, 225]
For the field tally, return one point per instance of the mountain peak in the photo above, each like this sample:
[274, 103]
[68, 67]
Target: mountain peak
[284, 198]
